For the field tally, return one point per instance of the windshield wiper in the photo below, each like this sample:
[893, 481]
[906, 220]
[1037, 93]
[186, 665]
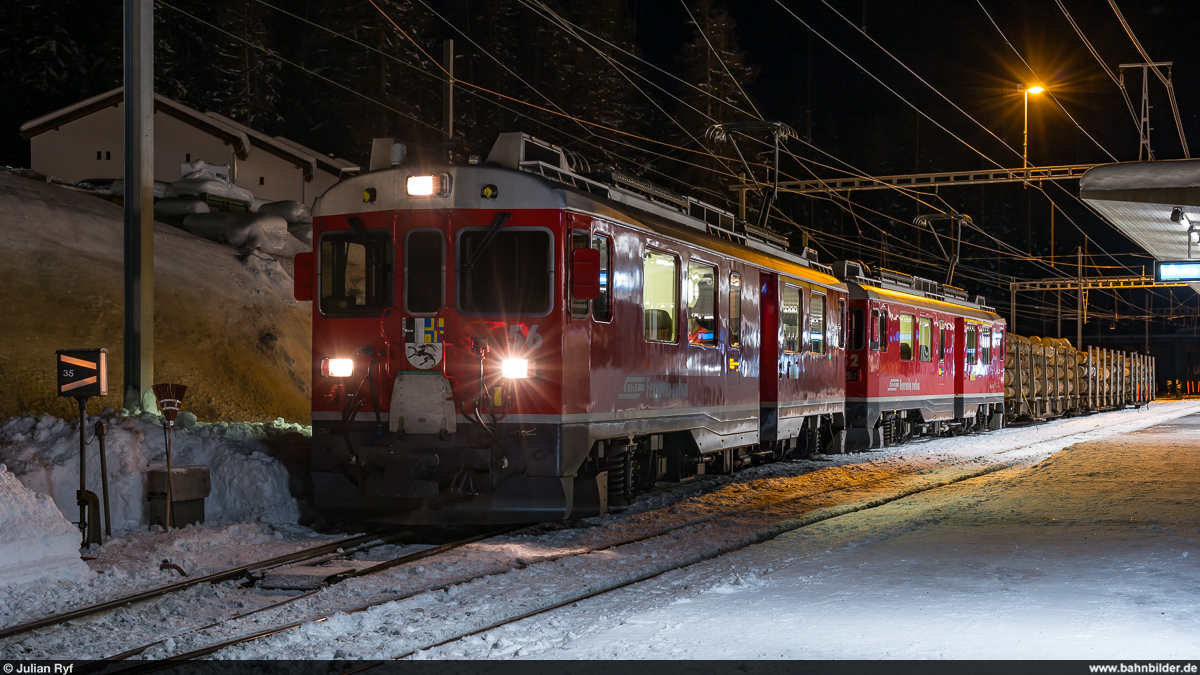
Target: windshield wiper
[501, 218]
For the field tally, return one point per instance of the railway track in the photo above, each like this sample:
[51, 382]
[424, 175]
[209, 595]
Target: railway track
[765, 532]
[343, 546]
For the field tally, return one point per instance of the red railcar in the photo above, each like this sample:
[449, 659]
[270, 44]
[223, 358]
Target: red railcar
[513, 341]
[921, 359]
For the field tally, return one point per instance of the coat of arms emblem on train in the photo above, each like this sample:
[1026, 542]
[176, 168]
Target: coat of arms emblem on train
[423, 342]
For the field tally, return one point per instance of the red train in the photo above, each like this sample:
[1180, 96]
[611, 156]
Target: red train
[516, 340]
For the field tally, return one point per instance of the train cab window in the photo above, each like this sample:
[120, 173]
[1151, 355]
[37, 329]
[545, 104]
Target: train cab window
[579, 307]
[985, 346]
[602, 305]
[424, 271]
[856, 331]
[925, 338]
[506, 271]
[906, 337]
[701, 293]
[789, 310]
[816, 324]
[660, 287]
[356, 272]
[971, 344]
[735, 309]
[941, 342]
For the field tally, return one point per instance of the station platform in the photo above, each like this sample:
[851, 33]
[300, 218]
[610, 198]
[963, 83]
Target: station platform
[1088, 554]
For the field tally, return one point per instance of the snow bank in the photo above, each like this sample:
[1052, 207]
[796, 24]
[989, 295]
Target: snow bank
[247, 483]
[201, 178]
[291, 211]
[245, 230]
[1184, 173]
[36, 541]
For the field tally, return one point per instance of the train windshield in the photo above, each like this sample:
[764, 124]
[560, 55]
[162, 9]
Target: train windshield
[356, 272]
[510, 274]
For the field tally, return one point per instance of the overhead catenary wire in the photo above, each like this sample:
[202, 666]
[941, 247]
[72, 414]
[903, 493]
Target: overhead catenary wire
[1108, 71]
[1049, 92]
[1165, 80]
[927, 84]
[289, 62]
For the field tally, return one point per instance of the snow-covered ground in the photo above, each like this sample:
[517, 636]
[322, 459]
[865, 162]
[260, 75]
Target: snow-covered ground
[1090, 554]
[754, 506]
[420, 604]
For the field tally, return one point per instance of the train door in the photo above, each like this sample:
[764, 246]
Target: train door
[769, 370]
[577, 330]
[733, 333]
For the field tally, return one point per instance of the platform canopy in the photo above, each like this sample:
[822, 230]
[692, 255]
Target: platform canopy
[1138, 198]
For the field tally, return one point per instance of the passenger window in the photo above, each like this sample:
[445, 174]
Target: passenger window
[735, 309]
[579, 307]
[906, 337]
[925, 338]
[816, 324]
[601, 306]
[985, 345]
[855, 329]
[424, 271]
[790, 311]
[702, 303]
[941, 342]
[356, 272]
[971, 343]
[660, 284]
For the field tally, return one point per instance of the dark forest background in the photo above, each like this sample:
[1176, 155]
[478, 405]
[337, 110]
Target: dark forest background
[635, 83]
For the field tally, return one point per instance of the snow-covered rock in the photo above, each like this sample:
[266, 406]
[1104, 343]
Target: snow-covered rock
[180, 206]
[247, 483]
[201, 178]
[291, 211]
[245, 230]
[36, 540]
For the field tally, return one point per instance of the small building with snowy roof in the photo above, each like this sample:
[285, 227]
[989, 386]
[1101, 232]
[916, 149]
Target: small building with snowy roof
[87, 141]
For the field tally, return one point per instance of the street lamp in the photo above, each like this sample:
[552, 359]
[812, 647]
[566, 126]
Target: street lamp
[1035, 89]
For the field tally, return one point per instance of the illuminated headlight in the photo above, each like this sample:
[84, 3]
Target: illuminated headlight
[437, 185]
[515, 368]
[337, 367]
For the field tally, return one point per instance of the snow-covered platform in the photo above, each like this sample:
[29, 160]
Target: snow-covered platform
[1090, 554]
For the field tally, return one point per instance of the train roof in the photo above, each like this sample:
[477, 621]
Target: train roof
[912, 290]
[526, 173]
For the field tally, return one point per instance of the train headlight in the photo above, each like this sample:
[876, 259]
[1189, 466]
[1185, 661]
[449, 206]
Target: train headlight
[515, 369]
[337, 367]
[436, 185]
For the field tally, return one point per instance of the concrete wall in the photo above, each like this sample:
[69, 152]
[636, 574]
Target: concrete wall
[269, 176]
[321, 182]
[70, 151]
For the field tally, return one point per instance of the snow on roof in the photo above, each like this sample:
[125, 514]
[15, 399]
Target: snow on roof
[1182, 173]
[220, 128]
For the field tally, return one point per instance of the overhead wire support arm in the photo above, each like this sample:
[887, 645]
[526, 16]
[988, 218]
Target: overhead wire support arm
[928, 180]
[721, 131]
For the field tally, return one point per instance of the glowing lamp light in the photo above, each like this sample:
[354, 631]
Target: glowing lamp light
[337, 367]
[436, 185]
[1035, 89]
[515, 369]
